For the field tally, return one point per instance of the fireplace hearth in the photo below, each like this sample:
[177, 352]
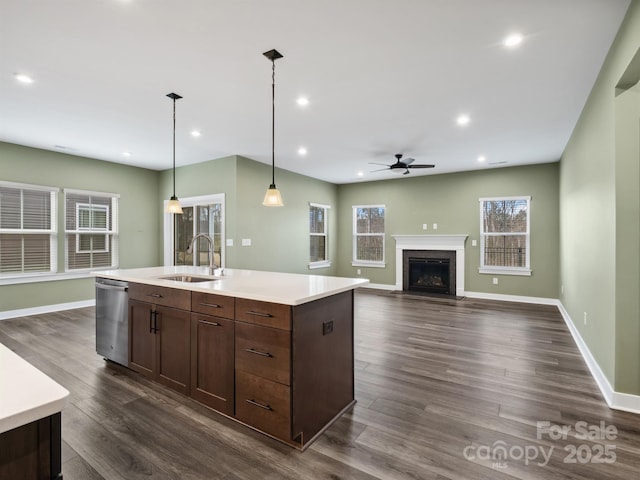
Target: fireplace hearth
[429, 272]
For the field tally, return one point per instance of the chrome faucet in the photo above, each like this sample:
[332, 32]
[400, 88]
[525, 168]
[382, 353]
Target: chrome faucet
[212, 265]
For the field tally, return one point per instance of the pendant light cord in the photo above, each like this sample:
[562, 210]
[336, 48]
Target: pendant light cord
[174, 147]
[273, 123]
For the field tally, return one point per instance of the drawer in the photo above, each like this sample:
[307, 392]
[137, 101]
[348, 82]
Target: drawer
[264, 351]
[263, 404]
[268, 314]
[211, 304]
[170, 297]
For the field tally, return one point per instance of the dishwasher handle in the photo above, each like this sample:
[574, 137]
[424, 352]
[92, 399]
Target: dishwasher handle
[102, 286]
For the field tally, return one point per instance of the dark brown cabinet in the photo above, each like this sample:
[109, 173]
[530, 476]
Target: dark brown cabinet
[212, 362]
[284, 370]
[160, 336]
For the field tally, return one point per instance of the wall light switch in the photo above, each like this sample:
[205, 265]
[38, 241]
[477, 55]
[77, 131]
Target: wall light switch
[359, 272]
[495, 280]
[246, 242]
[435, 226]
[424, 226]
[229, 242]
[474, 243]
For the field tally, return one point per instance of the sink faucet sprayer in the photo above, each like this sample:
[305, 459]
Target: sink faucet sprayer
[212, 265]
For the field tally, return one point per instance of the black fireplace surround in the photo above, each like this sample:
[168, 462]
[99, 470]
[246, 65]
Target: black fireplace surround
[429, 271]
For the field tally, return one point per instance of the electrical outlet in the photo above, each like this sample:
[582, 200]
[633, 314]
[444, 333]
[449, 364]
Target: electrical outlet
[359, 272]
[424, 226]
[495, 280]
[229, 242]
[474, 243]
[327, 327]
[585, 318]
[435, 226]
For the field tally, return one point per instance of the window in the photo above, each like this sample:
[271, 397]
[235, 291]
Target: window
[204, 214]
[318, 236]
[368, 235]
[91, 228]
[504, 235]
[27, 229]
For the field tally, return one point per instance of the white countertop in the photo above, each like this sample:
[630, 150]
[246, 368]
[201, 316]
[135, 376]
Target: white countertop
[26, 394]
[284, 288]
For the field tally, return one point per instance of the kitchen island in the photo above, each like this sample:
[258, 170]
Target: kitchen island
[30, 427]
[273, 351]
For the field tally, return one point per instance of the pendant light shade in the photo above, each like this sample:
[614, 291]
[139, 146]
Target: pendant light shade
[273, 198]
[173, 205]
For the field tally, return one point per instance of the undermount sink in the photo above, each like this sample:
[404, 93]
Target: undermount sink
[188, 278]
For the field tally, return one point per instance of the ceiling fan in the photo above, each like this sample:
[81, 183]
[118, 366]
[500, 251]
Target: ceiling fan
[400, 165]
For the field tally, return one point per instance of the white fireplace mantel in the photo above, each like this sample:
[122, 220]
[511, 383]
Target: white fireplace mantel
[432, 242]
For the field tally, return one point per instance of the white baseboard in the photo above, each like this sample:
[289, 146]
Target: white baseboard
[25, 312]
[512, 298]
[615, 400]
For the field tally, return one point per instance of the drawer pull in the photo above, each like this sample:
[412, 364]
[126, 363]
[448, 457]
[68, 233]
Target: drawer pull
[154, 295]
[257, 404]
[262, 354]
[213, 305]
[215, 324]
[259, 314]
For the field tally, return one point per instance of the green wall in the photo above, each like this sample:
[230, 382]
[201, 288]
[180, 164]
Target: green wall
[279, 236]
[138, 212]
[598, 196]
[452, 202]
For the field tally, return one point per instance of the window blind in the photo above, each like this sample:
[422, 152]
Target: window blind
[27, 229]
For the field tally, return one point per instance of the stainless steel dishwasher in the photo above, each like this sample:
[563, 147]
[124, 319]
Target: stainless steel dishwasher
[112, 320]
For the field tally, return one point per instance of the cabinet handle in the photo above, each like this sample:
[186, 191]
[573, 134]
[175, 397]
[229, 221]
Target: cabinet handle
[154, 295]
[262, 354]
[257, 404]
[151, 312]
[259, 314]
[214, 305]
[215, 324]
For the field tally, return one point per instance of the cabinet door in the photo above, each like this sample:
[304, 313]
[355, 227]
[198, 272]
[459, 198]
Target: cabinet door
[142, 340]
[212, 362]
[173, 348]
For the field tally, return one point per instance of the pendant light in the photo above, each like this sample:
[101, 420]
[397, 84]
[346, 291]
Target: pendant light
[273, 198]
[173, 205]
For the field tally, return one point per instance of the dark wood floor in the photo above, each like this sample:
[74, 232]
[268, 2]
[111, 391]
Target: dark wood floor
[440, 384]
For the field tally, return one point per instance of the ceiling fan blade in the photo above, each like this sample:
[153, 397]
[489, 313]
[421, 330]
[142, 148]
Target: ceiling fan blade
[407, 161]
[375, 163]
[379, 170]
[406, 172]
[420, 165]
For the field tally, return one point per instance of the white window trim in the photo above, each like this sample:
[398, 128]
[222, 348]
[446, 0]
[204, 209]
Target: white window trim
[364, 263]
[22, 277]
[190, 202]
[112, 230]
[521, 271]
[322, 263]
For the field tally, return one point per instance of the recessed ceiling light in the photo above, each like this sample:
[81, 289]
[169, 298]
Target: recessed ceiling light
[512, 40]
[463, 120]
[22, 78]
[302, 151]
[126, 154]
[195, 133]
[361, 173]
[482, 158]
[302, 101]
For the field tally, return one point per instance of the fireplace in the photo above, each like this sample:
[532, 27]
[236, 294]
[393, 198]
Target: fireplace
[438, 248]
[429, 271]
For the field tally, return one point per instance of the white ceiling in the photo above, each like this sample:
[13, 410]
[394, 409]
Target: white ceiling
[382, 76]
